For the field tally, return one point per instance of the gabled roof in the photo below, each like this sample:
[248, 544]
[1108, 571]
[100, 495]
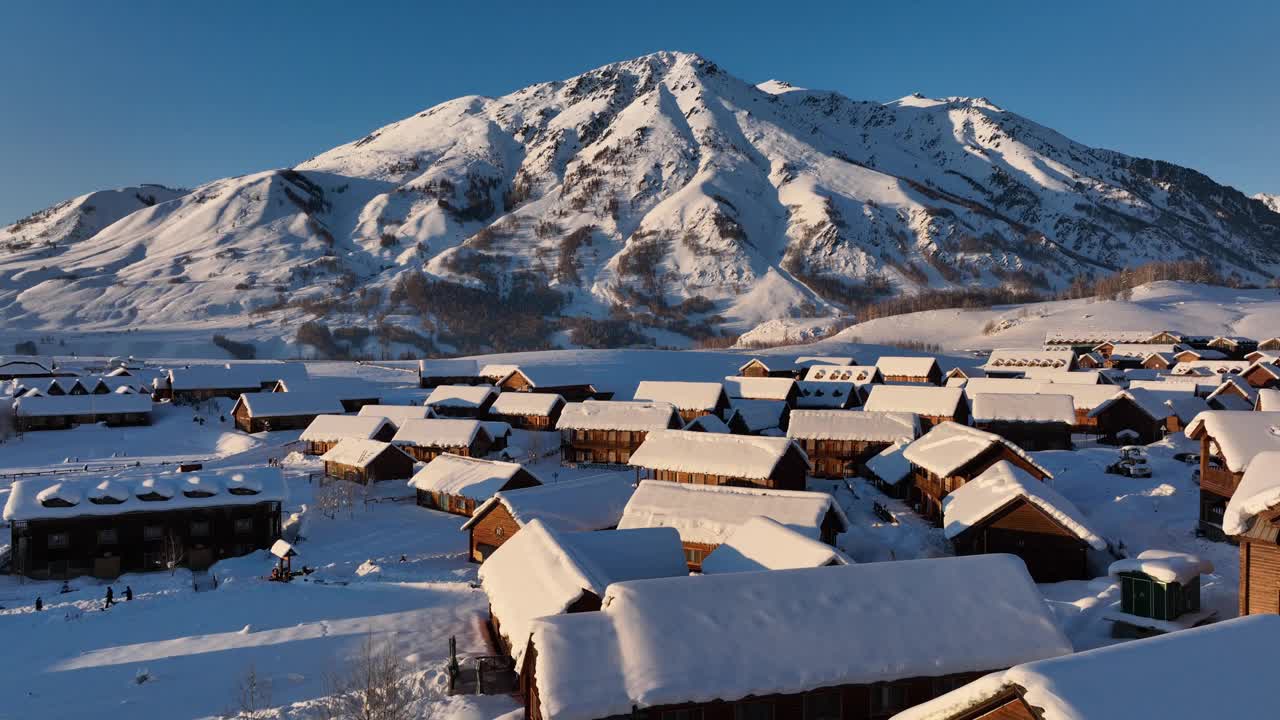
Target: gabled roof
[54, 405]
[684, 395]
[592, 503]
[744, 456]
[547, 376]
[329, 428]
[1029, 408]
[469, 477]
[233, 376]
[757, 416]
[340, 388]
[1258, 493]
[949, 446]
[461, 396]
[358, 452]
[396, 413]
[772, 363]
[762, 543]
[1019, 358]
[834, 395]
[910, 366]
[1002, 483]
[1152, 409]
[856, 374]
[707, 423]
[890, 466]
[288, 404]
[921, 400]
[618, 415]
[1268, 399]
[526, 403]
[447, 433]
[856, 425]
[1239, 435]
[825, 360]
[759, 388]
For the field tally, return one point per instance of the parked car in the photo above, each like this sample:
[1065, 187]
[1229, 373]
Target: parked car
[1130, 469]
[1133, 452]
[1189, 458]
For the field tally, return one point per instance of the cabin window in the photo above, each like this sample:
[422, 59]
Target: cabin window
[152, 532]
[694, 556]
[200, 528]
[108, 536]
[57, 541]
[822, 706]
[499, 531]
[244, 526]
[760, 710]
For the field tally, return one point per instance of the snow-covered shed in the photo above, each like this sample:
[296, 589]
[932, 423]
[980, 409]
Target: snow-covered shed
[326, 430]
[458, 485]
[719, 459]
[781, 389]
[824, 638]
[1252, 517]
[543, 572]
[763, 543]
[591, 503]
[818, 395]
[528, 410]
[1006, 510]
[606, 432]
[909, 369]
[425, 439]
[461, 401]
[1031, 421]
[838, 442]
[691, 399]
[58, 412]
[1229, 441]
[706, 515]
[1159, 591]
[364, 461]
[397, 414]
[933, 404]
[261, 411]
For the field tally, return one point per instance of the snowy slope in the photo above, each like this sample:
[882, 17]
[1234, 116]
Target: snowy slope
[1271, 201]
[46, 233]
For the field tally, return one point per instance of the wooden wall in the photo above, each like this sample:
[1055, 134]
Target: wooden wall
[1259, 577]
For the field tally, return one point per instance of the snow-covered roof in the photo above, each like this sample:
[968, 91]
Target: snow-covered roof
[550, 376]
[461, 396]
[1202, 353]
[1141, 351]
[759, 388]
[772, 364]
[617, 415]
[1239, 434]
[758, 416]
[890, 465]
[1258, 492]
[856, 374]
[902, 365]
[111, 403]
[820, 394]
[329, 428]
[1169, 382]
[525, 403]
[1063, 377]
[825, 360]
[1205, 672]
[236, 376]
[1164, 565]
[340, 388]
[41, 498]
[707, 423]
[541, 572]
[500, 371]
[357, 452]
[10, 366]
[1019, 358]
[1217, 367]
[1083, 397]
[1268, 399]
[473, 478]
[1014, 407]
[282, 549]
[852, 425]
[948, 446]
[741, 456]
[1094, 337]
[683, 395]
[1184, 405]
[1002, 483]
[710, 513]
[763, 543]
[496, 428]
[676, 640]
[437, 432]
[288, 404]
[397, 414]
[592, 503]
[921, 400]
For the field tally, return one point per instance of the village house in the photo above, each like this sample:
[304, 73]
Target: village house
[1252, 518]
[458, 485]
[778, 389]
[1032, 422]
[819, 395]
[1198, 673]
[795, 647]
[951, 455]
[1270, 344]
[895, 369]
[772, 367]
[326, 430]
[1132, 355]
[757, 417]
[266, 411]
[424, 440]
[1162, 361]
[1232, 394]
[366, 461]
[451, 372]
[564, 381]
[1084, 398]
[859, 375]
[1193, 354]
[763, 543]
[108, 526]
[1090, 361]
[353, 394]
[839, 442]
[1222, 368]
[499, 433]
[931, 405]
[1133, 417]
[1234, 346]
[1006, 510]
[707, 515]
[1229, 441]
[718, 459]
[528, 411]
[1014, 362]
[890, 472]
[544, 572]
[1065, 377]
[592, 503]
[1159, 592]
[12, 368]
[1262, 374]
[461, 401]
[1270, 356]
[809, 361]
[60, 412]
[203, 382]
[691, 399]
[397, 414]
[1083, 340]
[607, 432]
[707, 423]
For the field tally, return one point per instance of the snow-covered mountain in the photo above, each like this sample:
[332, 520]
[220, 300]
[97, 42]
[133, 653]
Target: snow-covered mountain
[1271, 201]
[661, 190]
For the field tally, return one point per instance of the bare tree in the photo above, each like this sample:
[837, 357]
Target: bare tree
[172, 552]
[373, 687]
[253, 694]
[334, 496]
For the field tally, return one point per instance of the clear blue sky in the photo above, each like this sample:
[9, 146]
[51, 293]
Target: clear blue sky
[97, 95]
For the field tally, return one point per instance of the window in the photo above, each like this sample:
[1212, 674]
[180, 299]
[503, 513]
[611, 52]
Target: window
[57, 541]
[499, 531]
[152, 532]
[244, 526]
[694, 556]
[200, 528]
[108, 536]
[759, 710]
[822, 705]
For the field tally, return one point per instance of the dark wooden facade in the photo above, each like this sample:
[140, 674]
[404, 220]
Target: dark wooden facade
[489, 531]
[1121, 414]
[840, 458]
[1051, 551]
[479, 447]
[390, 464]
[256, 424]
[933, 378]
[432, 381]
[1217, 485]
[757, 368]
[788, 474]
[1262, 375]
[1029, 435]
[601, 447]
[1260, 567]
[928, 489]
[28, 423]
[517, 381]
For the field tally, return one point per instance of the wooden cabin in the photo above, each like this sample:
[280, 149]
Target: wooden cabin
[791, 657]
[950, 455]
[266, 411]
[365, 461]
[839, 442]
[353, 394]
[1234, 346]
[860, 376]
[1159, 592]
[61, 412]
[777, 389]
[197, 383]
[424, 440]
[528, 411]
[1229, 440]
[1131, 413]
[1262, 375]
[565, 381]
[1268, 400]
[1252, 518]
[1006, 510]
[607, 432]
[1161, 361]
[818, 395]
[718, 459]
[1014, 362]
[397, 414]
[932, 405]
[591, 503]
[1194, 354]
[922, 370]
[451, 372]
[773, 367]
[709, 424]
[691, 399]
[757, 417]
[327, 430]
[763, 543]
[499, 433]
[1091, 361]
[461, 401]
[1232, 394]
[458, 485]
[108, 526]
[1030, 421]
[890, 472]
[707, 515]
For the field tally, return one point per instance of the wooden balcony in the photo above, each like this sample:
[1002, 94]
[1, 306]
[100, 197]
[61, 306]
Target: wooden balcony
[1219, 481]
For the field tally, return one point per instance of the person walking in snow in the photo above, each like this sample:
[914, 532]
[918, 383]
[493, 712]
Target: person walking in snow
[39, 604]
[111, 595]
[128, 593]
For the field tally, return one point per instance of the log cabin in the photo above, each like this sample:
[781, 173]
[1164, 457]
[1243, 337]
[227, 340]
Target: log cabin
[777, 389]
[461, 401]
[1138, 414]
[458, 485]
[1270, 356]
[607, 432]
[1090, 361]
[898, 369]
[60, 412]
[267, 411]
[1211, 367]
[592, 503]
[565, 381]
[108, 526]
[1134, 350]
[327, 430]
[1262, 374]
[1232, 394]
[707, 515]
[763, 543]
[757, 417]
[1191, 674]
[499, 433]
[1014, 362]
[691, 399]
[1270, 344]
[773, 367]
[1234, 346]
[718, 459]
[818, 395]
[528, 411]
[1030, 421]
[951, 455]
[1252, 518]
[451, 372]
[352, 393]
[203, 382]
[366, 461]
[424, 440]
[1160, 361]
[1159, 593]
[890, 472]
[789, 657]
[932, 405]
[1194, 354]
[397, 414]
[839, 442]
[1229, 441]
[1006, 510]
